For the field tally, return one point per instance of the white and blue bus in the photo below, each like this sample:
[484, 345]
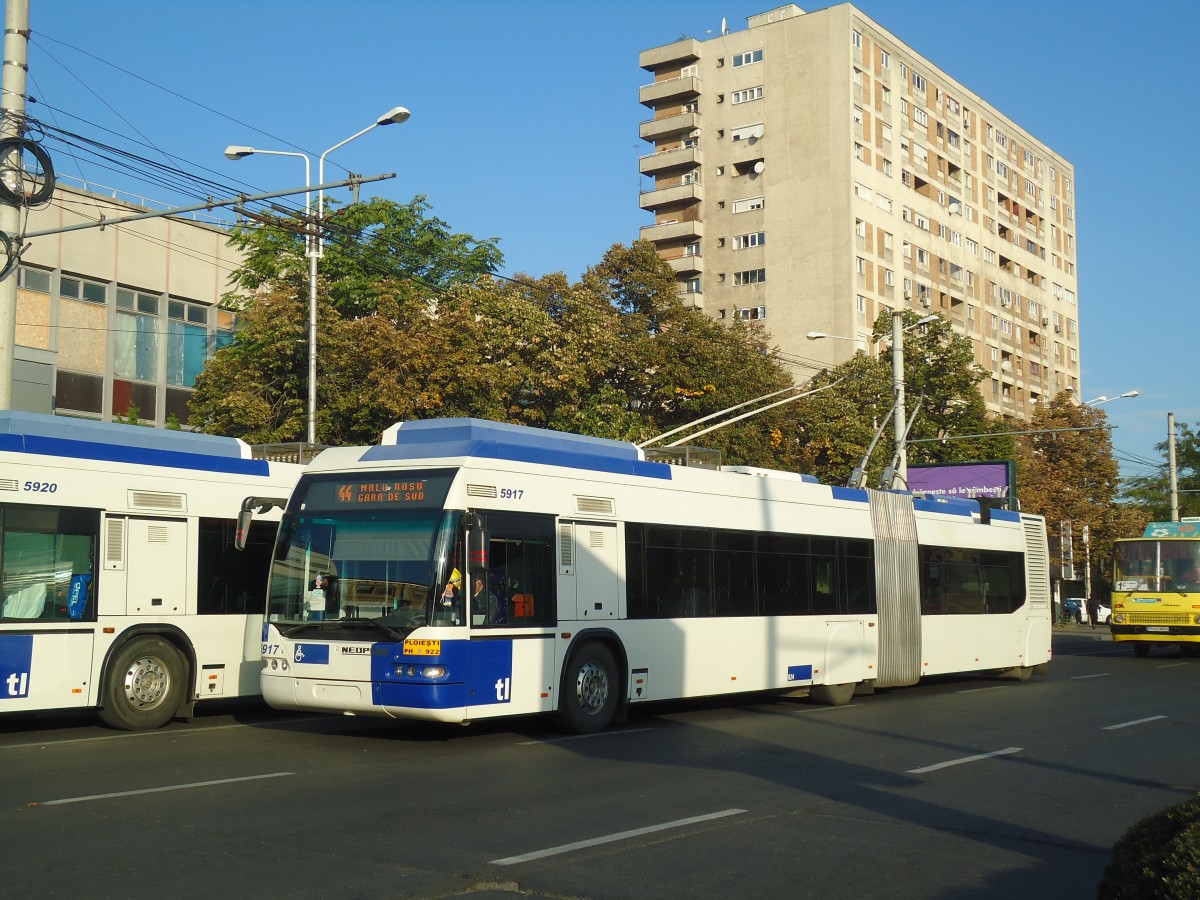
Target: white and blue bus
[464, 569]
[120, 588]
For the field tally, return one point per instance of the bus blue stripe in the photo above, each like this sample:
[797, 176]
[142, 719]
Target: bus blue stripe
[141, 456]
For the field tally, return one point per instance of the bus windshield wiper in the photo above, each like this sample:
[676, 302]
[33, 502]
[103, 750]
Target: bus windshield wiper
[393, 633]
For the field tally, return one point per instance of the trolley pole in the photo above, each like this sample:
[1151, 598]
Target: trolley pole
[12, 125]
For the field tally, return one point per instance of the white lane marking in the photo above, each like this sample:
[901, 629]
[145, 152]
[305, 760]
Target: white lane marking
[1134, 722]
[159, 790]
[965, 759]
[1172, 665]
[1097, 675]
[161, 732]
[995, 687]
[580, 737]
[610, 838]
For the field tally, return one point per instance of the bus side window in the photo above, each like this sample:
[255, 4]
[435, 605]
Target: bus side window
[521, 568]
[46, 566]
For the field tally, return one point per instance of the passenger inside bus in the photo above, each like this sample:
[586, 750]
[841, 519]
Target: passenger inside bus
[1187, 577]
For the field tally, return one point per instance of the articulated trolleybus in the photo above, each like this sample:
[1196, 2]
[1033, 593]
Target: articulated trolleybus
[466, 569]
[120, 587]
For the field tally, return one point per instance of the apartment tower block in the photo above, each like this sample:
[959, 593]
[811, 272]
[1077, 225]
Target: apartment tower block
[814, 171]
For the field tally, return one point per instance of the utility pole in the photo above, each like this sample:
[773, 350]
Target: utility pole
[12, 126]
[900, 479]
[1172, 469]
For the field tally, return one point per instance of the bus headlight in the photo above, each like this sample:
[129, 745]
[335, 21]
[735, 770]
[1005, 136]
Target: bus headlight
[1196, 619]
[1119, 618]
[421, 671]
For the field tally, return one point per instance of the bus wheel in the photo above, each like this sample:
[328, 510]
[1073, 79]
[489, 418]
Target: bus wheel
[1142, 650]
[590, 689]
[145, 685]
[832, 694]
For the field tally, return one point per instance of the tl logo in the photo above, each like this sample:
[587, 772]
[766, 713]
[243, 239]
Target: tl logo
[503, 690]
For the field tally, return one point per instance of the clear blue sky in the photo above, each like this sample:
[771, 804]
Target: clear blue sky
[525, 122]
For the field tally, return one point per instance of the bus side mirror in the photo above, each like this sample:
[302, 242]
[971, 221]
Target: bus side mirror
[477, 548]
[245, 517]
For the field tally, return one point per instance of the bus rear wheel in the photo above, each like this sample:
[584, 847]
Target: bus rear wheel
[590, 689]
[145, 685]
[832, 694]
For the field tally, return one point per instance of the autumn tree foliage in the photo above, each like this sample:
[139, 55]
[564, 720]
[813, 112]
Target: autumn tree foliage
[1067, 473]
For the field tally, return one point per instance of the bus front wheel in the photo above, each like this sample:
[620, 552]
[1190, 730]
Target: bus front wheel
[590, 689]
[145, 685]
[832, 694]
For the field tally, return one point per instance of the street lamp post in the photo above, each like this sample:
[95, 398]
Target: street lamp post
[1103, 399]
[314, 242]
[900, 424]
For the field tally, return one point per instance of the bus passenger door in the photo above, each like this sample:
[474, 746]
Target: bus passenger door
[596, 582]
[152, 554]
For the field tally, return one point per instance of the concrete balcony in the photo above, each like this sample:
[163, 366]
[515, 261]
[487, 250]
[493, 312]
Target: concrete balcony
[677, 230]
[687, 265]
[669, 159]
[680, 123]
[675, 193]
[682, 52]
[671, 89]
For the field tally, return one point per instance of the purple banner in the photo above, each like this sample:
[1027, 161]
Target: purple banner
[961, 479]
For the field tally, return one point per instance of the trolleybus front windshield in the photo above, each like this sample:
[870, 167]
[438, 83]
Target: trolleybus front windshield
[365, 554]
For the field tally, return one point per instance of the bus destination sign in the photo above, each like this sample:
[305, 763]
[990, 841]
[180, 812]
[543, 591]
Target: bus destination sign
[376, 492]
[424, 489]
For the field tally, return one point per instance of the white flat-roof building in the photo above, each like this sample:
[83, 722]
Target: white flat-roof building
[116, 317]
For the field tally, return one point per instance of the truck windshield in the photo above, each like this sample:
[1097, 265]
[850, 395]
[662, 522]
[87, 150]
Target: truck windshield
[365, 565]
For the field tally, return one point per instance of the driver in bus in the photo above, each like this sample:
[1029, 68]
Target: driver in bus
[1188, 577]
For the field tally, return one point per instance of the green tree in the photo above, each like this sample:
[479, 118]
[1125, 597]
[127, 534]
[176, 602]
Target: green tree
[613, 355]
[366, 245]
[1152, 492]
[942, 398]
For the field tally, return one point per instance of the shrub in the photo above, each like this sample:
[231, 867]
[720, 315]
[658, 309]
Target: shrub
[1159, 857]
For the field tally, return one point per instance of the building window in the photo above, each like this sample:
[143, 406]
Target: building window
[79, 392]
[135, 344]
[745, 59]
[921, 117]
[750, 276]
[746, 204]
[753, 312]
[745, 96]
[918, 81]
[860, 265]
[187, 341]
[885, 59]
[78, 289]
[856, 39]
[691, 286]
[753, 239]
[34, 279]
[860, 303]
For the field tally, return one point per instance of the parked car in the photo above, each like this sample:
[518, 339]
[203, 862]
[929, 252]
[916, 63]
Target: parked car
[1075, 610]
